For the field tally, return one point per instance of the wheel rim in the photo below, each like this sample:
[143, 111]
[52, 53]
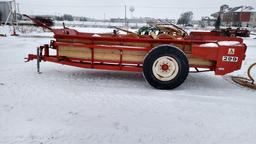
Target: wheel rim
[165, 68]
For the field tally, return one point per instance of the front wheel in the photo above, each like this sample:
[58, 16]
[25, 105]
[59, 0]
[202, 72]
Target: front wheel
[165, 67]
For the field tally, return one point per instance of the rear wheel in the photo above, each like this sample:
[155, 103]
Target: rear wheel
[165, 67]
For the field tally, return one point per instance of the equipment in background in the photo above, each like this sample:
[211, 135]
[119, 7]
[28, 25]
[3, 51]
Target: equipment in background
[2, 35]
[233, 32]
[246, 82]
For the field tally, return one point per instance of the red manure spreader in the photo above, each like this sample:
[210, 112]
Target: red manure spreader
[163, 53]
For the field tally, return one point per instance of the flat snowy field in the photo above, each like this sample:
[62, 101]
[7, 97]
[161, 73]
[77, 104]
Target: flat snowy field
[68, 105]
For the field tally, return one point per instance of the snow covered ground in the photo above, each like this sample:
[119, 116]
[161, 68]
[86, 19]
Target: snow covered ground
[68, 105]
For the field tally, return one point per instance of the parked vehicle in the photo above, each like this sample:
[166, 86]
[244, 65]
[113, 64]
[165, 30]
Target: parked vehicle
[233, 32]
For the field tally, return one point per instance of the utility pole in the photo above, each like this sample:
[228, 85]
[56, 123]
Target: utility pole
[14, 19]
[18, 7]
[14, 12]
[125, 17]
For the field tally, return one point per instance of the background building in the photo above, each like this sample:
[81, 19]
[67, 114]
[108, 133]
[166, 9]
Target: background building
[207, 21]
[241, 16]
[5, 11]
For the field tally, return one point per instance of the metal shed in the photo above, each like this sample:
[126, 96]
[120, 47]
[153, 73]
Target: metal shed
[5, 11]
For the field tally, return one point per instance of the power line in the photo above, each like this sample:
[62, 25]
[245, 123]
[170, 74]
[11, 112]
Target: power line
[118, 6]
[76, 6]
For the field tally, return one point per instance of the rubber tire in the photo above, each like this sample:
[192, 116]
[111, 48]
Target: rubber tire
[166, 50]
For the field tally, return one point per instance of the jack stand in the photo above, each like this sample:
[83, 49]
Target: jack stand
[14, 32]
[38, 60]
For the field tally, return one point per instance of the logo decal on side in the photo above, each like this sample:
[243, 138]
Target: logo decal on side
[231, 51]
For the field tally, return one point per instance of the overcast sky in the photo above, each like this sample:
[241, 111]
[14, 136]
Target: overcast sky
[115, 8]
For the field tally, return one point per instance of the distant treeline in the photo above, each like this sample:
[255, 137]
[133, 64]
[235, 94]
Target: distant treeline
[68, 17]
[46, 20]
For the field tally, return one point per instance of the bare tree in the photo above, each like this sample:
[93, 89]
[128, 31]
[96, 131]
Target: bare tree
[185, 18]
[217, 23]
[68, 17]
[46, 20]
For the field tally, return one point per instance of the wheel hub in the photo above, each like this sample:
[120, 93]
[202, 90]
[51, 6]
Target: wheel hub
[165, 68]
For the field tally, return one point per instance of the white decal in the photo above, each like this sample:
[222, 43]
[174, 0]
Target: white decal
[229, 59]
